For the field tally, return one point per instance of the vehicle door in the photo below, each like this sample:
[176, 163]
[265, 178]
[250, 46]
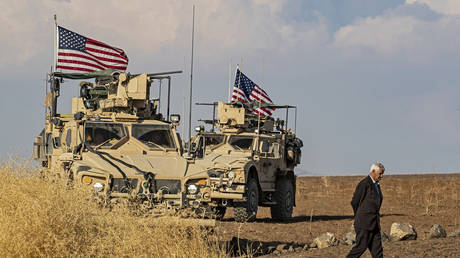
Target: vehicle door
[269, 155]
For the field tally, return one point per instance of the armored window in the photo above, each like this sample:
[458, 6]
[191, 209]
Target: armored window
[276, 149]
[49, 144]
[68, 138]
[100, 134]
[213, 140]
[154, 136]
[269, 148]
[240, 142]
[265, 146]
[57, 142]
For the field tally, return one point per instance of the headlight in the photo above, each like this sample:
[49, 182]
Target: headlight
[98, 187]
[192, 189]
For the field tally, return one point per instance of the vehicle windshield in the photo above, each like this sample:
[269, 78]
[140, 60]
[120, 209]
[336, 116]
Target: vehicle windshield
[154, 136]
[240, 142]
[100, 134]
[213, 140]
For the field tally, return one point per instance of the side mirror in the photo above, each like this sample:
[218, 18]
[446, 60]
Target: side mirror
[199, 129]
[174, 118]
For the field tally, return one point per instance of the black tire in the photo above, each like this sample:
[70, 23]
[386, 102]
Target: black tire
[284, 198]
[247, 211]
[220, 212]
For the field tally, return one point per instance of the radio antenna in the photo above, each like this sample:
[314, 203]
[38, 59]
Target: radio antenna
[191, 79]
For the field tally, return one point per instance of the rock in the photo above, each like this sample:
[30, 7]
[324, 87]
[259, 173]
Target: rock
[298, 249]
[276, 252]
[326, 240]
[352, 228]
[437, 231]
[350, 238]
[271, 249]
[313, 245]
[340, 242]
[456, 233]
[280, 247]
[291, 249]
[306, 247]
[384, 236]
[402, 231]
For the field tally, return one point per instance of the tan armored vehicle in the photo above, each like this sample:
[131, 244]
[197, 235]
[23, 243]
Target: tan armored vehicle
[115, 140]
[252, 161]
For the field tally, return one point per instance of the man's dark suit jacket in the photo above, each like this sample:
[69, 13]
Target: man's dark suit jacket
[366, 205]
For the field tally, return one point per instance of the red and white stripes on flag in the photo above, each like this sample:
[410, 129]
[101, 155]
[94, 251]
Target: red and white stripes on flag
[77, 53]
[245, 90]
[238, 95]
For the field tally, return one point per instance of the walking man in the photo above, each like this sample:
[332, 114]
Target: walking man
[366, 203]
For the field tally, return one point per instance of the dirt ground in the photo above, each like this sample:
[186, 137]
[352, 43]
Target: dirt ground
[323, 205]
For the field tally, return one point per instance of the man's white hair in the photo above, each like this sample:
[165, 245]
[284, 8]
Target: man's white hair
[377, 165]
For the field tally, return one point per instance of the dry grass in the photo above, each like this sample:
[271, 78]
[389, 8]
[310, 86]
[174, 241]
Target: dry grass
[44, 218]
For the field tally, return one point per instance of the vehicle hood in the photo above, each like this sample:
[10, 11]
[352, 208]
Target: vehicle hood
[224, 161]
[133, 165]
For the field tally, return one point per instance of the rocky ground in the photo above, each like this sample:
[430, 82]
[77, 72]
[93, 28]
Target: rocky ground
[323, 205]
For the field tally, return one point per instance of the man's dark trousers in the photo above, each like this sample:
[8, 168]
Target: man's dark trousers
[367, 239]
[366, 203]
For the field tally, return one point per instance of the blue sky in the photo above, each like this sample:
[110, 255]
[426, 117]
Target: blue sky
[373, 80]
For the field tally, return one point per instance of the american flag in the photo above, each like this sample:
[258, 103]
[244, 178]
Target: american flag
[78, 53]
[245, 90]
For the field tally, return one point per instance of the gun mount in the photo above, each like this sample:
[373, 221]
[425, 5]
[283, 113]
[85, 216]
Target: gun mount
[240, 117]
[112, 93]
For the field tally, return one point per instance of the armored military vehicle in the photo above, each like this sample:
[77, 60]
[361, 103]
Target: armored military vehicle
[251, 160]
[115, 140]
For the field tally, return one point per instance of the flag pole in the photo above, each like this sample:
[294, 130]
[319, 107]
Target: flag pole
[258, 119]
[55, 44]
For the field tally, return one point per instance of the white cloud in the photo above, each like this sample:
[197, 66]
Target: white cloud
[274, 5]
[381, 34]
[403, 36]
[304, 63]
[19, 27]
[149, 26]
[442, 6]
